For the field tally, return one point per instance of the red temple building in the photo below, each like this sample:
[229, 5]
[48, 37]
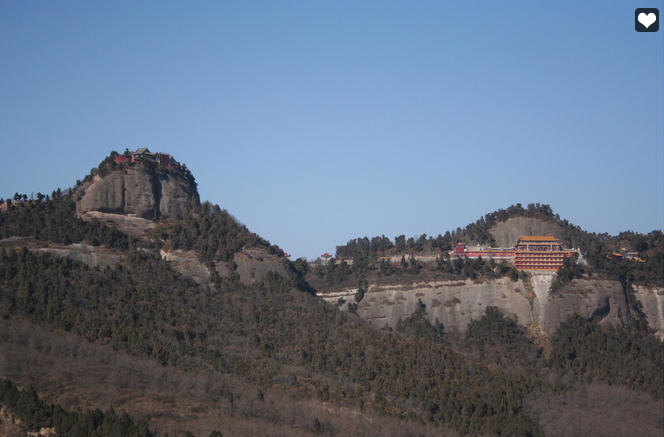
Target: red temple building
[121, 159]
[142, 156]
[533, 252]
[537, 252]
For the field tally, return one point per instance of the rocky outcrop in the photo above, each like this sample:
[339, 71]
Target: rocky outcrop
[530, 302]
[176, 195]
[251, 264]
[92, 256]
[144, 192]
[186, 262]
[452, 303]
[593, 299]
[508, 232]
[652, 304]
[137, 227]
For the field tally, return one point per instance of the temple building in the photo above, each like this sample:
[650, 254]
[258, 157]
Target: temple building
[144, 157]
[462, 251]
[537, 252]
[532, 252]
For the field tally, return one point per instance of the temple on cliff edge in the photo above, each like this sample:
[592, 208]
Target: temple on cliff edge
[532, 252]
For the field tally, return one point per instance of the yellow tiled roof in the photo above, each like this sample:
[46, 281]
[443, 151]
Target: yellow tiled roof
[538, 238]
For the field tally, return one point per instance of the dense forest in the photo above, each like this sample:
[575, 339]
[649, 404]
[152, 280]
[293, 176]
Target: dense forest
[146, 309]
[53, 218]
[622, 355]
[276, 334]
[34, 414]
[213, 233]
[262, 332]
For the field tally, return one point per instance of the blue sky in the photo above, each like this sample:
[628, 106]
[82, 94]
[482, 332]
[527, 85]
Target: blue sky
[316, 122]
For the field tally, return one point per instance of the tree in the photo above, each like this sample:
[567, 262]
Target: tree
[301, 266]
[361, 289]
[400, 243]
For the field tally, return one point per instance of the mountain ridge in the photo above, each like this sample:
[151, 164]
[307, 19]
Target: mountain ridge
[252, 351]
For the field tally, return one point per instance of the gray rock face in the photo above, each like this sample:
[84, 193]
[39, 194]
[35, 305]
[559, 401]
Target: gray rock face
[601, 300]
[456, 303]
[508, 232]
[452, 303]
[137, 227]
[105, 194]
[187, 263]
[138, 191]
[253, 263]
[90, 255]
[176, 194]
[652, 301]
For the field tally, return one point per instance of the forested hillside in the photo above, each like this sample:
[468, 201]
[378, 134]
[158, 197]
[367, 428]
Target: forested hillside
[213, 233]
[264, 332]
[279, 339]
[52, 218]
[35, 415]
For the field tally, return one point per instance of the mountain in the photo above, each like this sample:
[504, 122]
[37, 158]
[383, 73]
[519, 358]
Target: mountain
[192, 324]
[456, 292]
[148, 201]
[142, 184]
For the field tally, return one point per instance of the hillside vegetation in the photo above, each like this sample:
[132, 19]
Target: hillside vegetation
[53, 219]
[286, 349]
[263, 332]
[259, 332]
[214, 234]
[35, 415]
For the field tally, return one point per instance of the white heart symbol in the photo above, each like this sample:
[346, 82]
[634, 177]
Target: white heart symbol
[647, 20]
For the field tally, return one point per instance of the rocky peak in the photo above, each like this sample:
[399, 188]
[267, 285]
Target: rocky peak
[140, 183]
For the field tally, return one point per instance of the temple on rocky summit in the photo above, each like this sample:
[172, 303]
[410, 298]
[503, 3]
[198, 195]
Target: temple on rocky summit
[143, 156]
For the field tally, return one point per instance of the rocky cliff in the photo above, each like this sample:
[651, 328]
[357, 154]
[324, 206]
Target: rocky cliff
[652, 300]
[456, 303]
[507, 233]
[139, 191]
[250, 264]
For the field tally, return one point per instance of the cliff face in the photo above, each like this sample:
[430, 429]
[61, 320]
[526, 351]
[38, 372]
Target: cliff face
[254, 263]
[250, 264]
[452, 303]
[652, 300]
[90, 255]
[138, 191]
[507, 233]
[456, 303]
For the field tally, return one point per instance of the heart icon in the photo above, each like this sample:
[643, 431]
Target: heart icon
[647, 20]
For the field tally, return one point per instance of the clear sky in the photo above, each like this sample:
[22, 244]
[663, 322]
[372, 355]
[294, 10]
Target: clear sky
[315, 122]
